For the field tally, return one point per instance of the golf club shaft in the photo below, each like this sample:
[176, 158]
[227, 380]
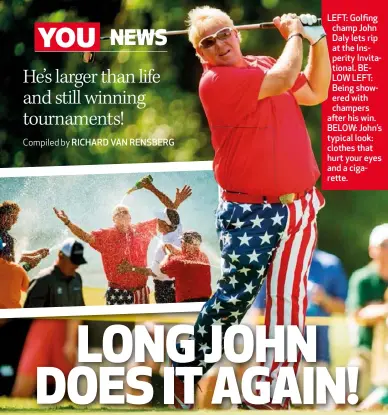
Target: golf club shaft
[264, 25]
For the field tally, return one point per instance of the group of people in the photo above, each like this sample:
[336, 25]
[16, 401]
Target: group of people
[181, 272]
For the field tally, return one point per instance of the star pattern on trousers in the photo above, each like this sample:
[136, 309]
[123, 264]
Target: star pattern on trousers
[257, 221]
[253, 256]
[244, 240]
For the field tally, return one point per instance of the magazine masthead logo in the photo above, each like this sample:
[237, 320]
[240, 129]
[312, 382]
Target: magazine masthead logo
[85, 37]
[66, 37]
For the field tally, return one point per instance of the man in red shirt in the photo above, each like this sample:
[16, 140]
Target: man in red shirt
[123, 248]
[190, 267]
[266, 170]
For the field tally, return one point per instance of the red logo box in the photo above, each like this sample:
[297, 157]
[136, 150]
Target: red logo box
[66, 37]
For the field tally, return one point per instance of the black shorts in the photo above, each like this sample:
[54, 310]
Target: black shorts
[164, 291]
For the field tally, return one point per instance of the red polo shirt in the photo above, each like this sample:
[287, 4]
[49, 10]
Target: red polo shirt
[192, 275]
[115, 246]
[262, 147]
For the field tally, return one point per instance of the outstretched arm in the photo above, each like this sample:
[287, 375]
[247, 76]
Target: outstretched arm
[76, 230]
[33, 258]
[180, 195]
[43, 252]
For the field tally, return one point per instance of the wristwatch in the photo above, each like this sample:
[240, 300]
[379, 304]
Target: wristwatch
[295, 34]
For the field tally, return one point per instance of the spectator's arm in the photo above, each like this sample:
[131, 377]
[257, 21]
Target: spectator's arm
[371, 314]
[182, 195]
[332, 304]
[71, 339]
[160, 195]
[337, 290]
[43, 252]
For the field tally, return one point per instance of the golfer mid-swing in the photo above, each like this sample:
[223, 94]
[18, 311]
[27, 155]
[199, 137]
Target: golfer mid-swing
[266, 170]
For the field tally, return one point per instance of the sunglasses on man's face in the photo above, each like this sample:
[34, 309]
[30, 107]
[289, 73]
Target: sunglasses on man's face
[121, 213]
[211, 40]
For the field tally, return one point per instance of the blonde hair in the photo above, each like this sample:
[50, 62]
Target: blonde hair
[118, 208]
[201, 18]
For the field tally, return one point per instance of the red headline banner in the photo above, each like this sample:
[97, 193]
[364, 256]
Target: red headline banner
[66, 37]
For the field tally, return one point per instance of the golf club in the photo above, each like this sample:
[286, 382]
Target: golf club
[88, 57]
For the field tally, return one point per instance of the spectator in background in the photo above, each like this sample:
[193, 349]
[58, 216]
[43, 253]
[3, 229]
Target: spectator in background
[170, 228]
[52, 342]
[190, 267]
[13, 280]
[365, 304]
[9, 214]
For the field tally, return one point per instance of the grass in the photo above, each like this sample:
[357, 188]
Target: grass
[113, 411]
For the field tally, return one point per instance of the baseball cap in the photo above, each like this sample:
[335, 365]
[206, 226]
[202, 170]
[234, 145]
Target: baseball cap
[170, 216]
[74, 251]
[191, 237]
[378, 235]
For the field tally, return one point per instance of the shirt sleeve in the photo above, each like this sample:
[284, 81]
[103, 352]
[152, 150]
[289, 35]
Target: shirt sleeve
[269, 62]
[229, 93]
[25, 280]
[82, 291]
[300, 81]
[100, 239]
[149, 227]
[339, 282]
[37, 294]
[170, 266]
[358, 294]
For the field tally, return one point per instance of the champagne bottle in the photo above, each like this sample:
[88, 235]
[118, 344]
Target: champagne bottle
[27, 267]
[139, 184]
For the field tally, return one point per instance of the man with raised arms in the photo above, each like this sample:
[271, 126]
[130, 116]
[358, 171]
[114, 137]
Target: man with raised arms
[123, 248]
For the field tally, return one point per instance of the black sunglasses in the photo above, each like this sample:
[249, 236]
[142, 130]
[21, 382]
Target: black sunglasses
[211, 40]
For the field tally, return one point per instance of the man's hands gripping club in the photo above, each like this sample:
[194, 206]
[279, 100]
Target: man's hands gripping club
[290, 24]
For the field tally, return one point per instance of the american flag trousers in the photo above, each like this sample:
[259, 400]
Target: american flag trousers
[259, 241]
[120, 296]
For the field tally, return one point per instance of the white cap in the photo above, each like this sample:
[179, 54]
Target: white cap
[74, 251]
[378, 235]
